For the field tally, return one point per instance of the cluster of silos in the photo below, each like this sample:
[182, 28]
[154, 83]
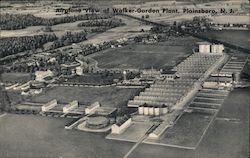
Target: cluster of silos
[206, 47]
[217, 48]
[152, 110]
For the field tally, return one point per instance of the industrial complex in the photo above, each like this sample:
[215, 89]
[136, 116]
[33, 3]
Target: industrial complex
[200, 82]
[124, 79]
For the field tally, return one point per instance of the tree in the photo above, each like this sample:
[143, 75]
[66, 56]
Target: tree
[5, 103]
[48, 29]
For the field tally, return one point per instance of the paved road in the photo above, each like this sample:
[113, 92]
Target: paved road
[136, 145]
[152, 128]
[2, 115]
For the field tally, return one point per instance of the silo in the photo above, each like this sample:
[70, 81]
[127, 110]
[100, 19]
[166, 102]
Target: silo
[214, 48]
[140, 110]
[220, 48]
[145, 110]
[204, 47]
[157, 111]
[151, 110]
[236, 77]
[164, 109]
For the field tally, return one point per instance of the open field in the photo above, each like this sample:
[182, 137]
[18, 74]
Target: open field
[228, 136]
[156, 151]
[236, 19]
[95, 79]
[131, 29]
[29, 31]
[188, 130]
[31, 136]
[59, 30]
[15, 77]
[34, 136]
[236, 105]
[229, 140]
[239, 38]
[107, 96]
[145, 56]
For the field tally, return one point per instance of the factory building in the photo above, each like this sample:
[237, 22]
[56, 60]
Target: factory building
[168, 75]
[92, 108]
[121, 125]
[79, 70]
[49, 105]
[171, 92]
[150, 73]
[216, 82]
[41, 75]
[69, 107]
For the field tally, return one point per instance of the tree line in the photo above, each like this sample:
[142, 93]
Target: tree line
[20, 21]
[14, 45]
[69, 38]
[98, 23]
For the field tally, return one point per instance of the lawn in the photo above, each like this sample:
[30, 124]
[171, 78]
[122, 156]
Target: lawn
[107, 96]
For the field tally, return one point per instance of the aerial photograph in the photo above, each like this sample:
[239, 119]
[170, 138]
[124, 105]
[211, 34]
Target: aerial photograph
[124, 78]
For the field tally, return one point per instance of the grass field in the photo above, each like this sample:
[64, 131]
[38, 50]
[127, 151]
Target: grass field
[236, 105]
[188, 130]
[28, 136]
[156, 151]
[143, 56]
[15, 77]
[131, 29]
[107, 96]
[59, 30]
[228, 138]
